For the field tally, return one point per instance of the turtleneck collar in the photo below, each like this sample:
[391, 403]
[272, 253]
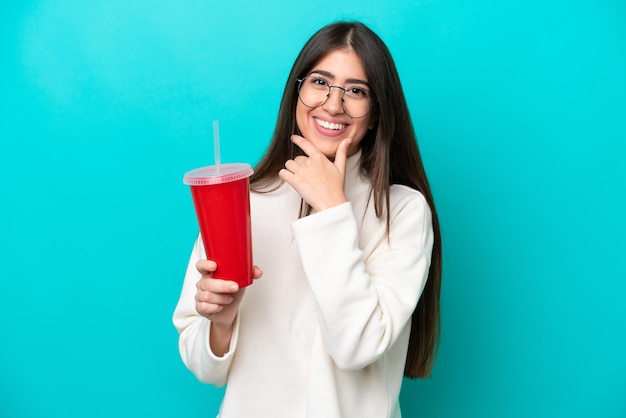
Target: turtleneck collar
[355, 183]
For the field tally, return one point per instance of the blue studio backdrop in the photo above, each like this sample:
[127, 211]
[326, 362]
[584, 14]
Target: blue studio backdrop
[519, 110]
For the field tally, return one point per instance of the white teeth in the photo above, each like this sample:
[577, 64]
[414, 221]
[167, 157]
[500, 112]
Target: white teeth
[328, 125]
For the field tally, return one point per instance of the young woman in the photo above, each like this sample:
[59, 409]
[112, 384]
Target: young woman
[345, 230]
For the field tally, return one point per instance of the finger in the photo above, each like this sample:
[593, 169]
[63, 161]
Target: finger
[305, 145]
[217, 285]
[286, 175]
[291, 165]
[342, 155]
[206, 267]
[214, 298]
[257, 272]
[207, 309]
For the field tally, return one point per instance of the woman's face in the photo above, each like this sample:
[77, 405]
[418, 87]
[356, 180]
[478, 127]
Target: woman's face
[327, 125]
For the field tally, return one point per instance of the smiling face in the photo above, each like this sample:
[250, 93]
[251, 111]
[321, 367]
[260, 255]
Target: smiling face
[327, 125]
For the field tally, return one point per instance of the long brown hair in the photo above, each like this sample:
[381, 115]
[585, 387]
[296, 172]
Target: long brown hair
[389, 156]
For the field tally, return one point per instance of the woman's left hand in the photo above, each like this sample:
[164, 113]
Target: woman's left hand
[318, 180]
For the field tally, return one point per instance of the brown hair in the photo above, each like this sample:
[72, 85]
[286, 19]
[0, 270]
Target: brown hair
[389, 156]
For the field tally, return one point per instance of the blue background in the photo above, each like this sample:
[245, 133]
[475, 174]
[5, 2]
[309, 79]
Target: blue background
[520, 112]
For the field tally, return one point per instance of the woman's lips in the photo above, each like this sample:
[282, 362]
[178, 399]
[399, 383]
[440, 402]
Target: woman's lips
[330, 125]
[329, 128]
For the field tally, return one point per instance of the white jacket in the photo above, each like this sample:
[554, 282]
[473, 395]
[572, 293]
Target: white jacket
[324, 332]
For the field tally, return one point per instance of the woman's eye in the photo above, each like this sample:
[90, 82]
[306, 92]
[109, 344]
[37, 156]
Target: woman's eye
[319, 82]
[357, 92]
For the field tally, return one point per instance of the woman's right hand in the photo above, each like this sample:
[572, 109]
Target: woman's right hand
[215, 298]
[218, 300]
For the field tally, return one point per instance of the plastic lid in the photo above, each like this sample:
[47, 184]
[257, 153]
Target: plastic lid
[208, 175]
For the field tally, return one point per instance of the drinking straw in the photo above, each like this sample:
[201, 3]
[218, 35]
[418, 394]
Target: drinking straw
[216, 144]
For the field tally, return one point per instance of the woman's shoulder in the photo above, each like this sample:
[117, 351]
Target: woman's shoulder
[403, 198]
[400, 192]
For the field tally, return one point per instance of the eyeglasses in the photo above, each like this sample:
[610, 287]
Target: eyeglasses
[314, 91]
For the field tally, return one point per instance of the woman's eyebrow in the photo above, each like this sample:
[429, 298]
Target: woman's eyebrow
[331, 76]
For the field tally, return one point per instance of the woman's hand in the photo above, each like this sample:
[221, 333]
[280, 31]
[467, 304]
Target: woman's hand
[318, 180]
[219, 300]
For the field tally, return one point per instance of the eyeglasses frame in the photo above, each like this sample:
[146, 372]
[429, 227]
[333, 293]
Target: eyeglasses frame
[330, 86]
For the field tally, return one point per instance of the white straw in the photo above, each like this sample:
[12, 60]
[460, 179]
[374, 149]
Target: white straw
[216, 144]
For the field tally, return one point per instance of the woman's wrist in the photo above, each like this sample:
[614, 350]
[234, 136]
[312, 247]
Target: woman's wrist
[219, 338]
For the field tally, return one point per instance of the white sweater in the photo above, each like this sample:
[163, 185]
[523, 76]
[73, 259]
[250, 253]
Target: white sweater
[324, 332]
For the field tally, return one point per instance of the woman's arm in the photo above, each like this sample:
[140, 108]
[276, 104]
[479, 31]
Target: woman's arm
[206, 345]
[366, 298]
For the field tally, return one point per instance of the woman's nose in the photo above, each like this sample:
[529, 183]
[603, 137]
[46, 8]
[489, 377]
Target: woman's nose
[334, 103]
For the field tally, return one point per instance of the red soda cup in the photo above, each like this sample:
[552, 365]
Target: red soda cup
[221, 197]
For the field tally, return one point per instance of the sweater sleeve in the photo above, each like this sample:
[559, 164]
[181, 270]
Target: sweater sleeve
[365, 297]
[194, 331]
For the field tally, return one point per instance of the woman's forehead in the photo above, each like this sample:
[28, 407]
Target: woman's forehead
[341, 64]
